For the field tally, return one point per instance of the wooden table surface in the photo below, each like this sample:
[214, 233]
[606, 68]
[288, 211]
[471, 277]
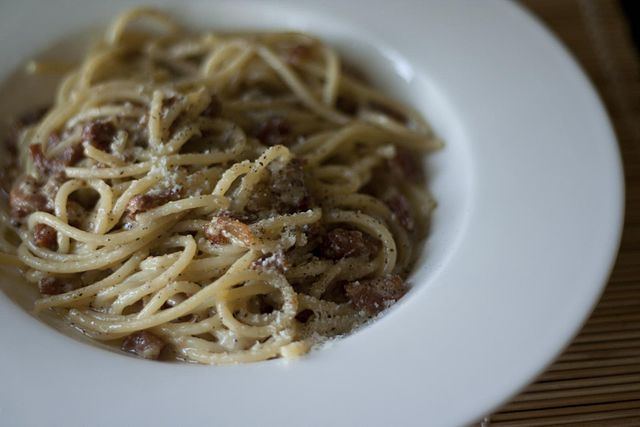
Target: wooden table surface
[596, 381]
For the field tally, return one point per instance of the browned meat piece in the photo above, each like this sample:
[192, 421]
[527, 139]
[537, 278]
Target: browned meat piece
[9, 165]
[222, 228]
[143, 344]
[315, 233]
[44, 236]
[342, 243]
[401, 209]
[41, 162]
[374, 295]
[70, 156]
[274, 131]
[289, 189]
[276, 261]
[145, 202]
[99, 133]
[260, 200]
[407, 165]
[284, 192]
[25, 198]
[52, 285]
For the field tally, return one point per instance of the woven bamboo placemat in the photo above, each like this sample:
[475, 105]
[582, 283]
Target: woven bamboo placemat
[596, 381]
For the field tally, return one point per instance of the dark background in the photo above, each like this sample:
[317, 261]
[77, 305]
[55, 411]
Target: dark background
[631, 9]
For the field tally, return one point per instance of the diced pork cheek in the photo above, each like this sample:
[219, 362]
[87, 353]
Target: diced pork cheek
[285, 191]
[144, 202]
[52, 285]
[401, 209]
[315, 233]
[41, 162]
[374, 295]
[260, 200]
[288, 183]
[406, 165]
[9, 171]
[221, 228]
[25, 198]
[99, 133]
[28, 196]
[47, 166]
[45, 236]
[342, 243]
[143, 344]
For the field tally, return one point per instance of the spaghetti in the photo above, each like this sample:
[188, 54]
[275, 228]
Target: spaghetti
[216, 198]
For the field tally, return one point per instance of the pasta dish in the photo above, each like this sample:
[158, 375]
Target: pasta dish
[215, 198]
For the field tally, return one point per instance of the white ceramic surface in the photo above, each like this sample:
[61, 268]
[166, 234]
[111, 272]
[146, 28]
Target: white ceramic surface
[530, 196]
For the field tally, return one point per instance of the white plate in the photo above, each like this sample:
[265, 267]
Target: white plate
[530, 197]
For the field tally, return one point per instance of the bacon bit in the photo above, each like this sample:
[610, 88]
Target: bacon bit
[406, 165]
[222, 228]
[11, 140]
[288, 187]
[99, 134]
[143, 344]
[299, 54]
[25, 198]
[401, 209]
[145, 202]
[374, 295]
[45, 236]
[342, 243]
[42, 164]
[285, 192]
[214, 109]
[70, 156]
[277, 261]
[52, 285]
[274, 131]
[260, 200]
